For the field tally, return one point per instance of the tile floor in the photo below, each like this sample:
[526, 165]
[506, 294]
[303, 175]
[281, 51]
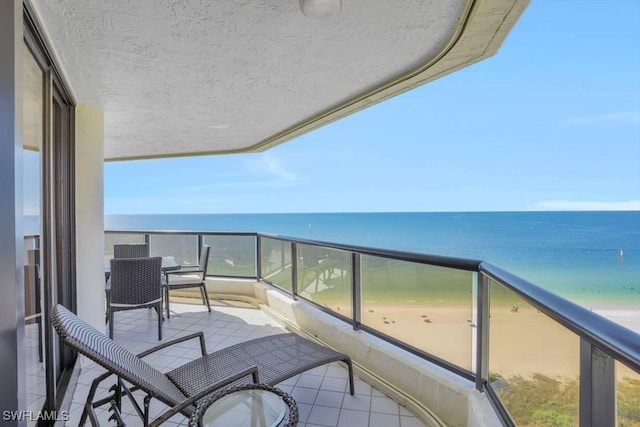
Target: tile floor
[321, 394]
[36, 392]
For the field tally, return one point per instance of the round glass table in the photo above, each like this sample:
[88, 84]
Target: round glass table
[251, 405]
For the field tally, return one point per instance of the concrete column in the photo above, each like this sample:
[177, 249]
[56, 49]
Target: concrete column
[90, 214]
[12, 368]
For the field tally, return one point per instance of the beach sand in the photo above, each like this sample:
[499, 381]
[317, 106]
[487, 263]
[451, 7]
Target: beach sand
[523, 341]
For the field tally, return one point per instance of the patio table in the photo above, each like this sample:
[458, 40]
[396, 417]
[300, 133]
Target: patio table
[249, 405]
[169, 263]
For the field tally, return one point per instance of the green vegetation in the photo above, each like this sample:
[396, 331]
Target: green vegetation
[628, 402]
[547, 418]
[542, 401]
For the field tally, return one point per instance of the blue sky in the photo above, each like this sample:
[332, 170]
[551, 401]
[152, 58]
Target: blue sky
[551, 122]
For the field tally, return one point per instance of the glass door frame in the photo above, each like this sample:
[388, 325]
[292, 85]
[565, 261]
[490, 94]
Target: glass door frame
[57, 239]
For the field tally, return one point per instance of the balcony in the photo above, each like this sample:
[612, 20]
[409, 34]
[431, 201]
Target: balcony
[321, 394]
[428, 335]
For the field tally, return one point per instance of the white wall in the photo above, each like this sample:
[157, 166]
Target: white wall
[90, 214]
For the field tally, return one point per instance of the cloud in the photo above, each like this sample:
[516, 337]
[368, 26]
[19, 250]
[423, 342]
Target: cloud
[575, 205]
[621, 118]
[273, 165]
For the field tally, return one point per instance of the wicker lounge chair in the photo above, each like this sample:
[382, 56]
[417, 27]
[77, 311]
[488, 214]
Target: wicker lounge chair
[271, 360]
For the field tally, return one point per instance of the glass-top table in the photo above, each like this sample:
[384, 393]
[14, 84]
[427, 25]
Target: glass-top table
[169, 263]
[251, 405]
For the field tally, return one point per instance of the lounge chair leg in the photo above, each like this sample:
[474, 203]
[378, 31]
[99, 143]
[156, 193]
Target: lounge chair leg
[146, 401]
[93, 419]
[88, 408]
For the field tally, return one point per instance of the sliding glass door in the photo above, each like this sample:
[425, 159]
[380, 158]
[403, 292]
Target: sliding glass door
[33, 138]
[48, 201]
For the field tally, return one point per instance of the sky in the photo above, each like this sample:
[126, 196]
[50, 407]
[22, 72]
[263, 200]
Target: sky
[551, 122]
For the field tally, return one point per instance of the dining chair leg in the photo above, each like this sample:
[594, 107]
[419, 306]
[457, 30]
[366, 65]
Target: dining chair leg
[166, 301]
[205, 296]
[159, 313]
[110, 323]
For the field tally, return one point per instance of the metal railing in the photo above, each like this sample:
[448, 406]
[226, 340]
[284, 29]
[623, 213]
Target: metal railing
[341, 280]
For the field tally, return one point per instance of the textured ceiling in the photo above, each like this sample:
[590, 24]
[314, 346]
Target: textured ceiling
[178, 77]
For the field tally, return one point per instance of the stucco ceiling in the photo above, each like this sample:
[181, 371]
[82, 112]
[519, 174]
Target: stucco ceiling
[181, 77]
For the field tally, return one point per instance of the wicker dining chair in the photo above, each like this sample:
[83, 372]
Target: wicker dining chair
[136, 250]
[135, 283]
[189, 278]
[269, 360]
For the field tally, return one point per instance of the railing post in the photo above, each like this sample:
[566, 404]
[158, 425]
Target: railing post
[258, 256]
[597, 387]
[482, 331]
[294, 270]
[356, 290]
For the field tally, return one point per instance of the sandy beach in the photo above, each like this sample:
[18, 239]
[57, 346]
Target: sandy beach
[522, 340]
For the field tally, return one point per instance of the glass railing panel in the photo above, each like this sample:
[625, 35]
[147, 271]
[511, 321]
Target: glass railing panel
[111, 239]
[324, 277]
[275, 262]
[427, 307]
[627, 396]
[183, 247]
[232, 255]
[534, 362]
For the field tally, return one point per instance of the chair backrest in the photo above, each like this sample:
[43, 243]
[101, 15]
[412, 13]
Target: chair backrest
[204, 260]
[86, 340]
[131, 250]
[136, 281]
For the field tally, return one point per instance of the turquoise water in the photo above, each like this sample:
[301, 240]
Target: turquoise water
[575, 254]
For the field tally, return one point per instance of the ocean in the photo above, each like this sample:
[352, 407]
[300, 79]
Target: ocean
[588, 257]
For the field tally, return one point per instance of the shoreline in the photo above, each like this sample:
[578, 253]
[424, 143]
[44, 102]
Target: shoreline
[627, 317]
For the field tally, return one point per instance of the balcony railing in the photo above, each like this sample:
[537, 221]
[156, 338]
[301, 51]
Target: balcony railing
[541, 359]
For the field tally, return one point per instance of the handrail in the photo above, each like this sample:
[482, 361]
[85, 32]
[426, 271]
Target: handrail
[612, 338]
[188, 232]
[437, 260]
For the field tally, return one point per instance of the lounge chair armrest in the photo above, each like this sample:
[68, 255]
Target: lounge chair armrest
[253, 371]
[199, 335]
